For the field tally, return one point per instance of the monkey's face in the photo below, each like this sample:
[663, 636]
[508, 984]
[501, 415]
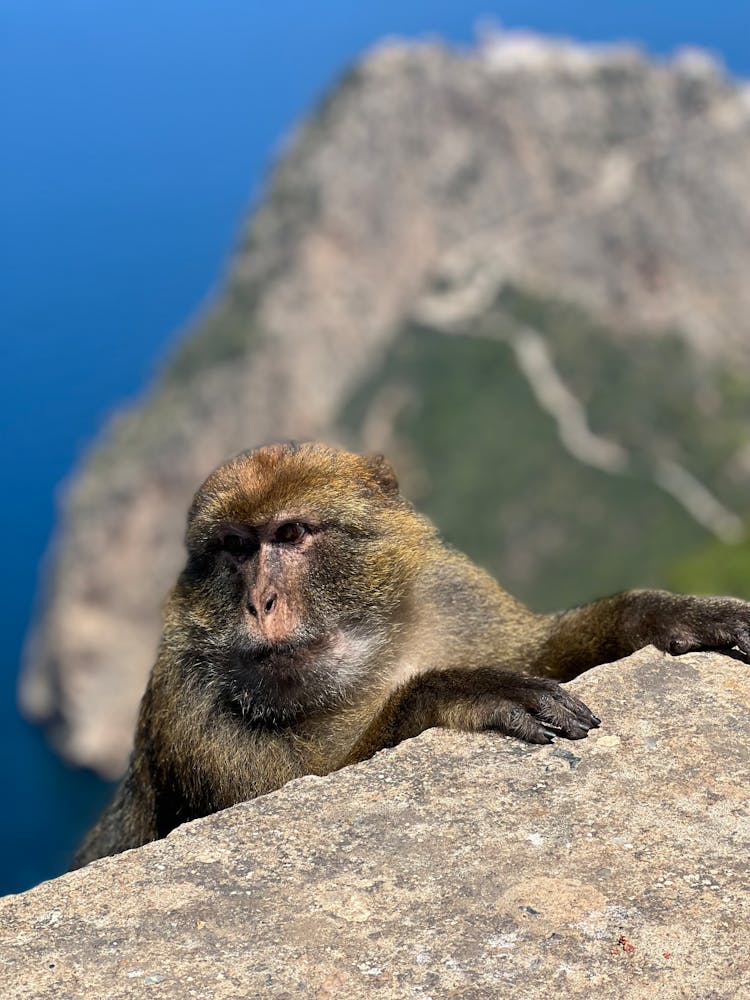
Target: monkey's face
[300, 559]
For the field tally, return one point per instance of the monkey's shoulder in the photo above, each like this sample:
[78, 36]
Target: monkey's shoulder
[465, 614]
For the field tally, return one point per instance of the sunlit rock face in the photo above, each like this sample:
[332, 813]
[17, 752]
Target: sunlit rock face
[453, 865]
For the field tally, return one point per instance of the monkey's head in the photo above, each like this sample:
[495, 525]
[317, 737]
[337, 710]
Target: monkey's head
[300, 558]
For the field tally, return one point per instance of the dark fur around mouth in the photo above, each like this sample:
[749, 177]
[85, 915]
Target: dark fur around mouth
[259, 652]
[275, 684]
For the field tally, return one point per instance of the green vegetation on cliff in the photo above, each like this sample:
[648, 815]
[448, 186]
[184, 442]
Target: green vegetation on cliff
[715, 568]
[494, 476]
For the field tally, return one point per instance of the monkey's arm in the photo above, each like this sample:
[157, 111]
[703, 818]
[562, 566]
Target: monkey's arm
[532, 708]
[617, 626]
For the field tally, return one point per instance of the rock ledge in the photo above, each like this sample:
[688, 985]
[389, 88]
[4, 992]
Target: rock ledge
[453, 866]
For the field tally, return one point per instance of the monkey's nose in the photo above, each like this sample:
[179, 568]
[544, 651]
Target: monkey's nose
[270, 603]
[265, 602]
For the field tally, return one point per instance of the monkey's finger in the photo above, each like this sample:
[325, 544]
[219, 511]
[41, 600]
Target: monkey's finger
[572, 719]
[709, 623]
[732, 628]
[742, 640]
[513, 720]
[569, 729]
[581, 711]
[556, 705]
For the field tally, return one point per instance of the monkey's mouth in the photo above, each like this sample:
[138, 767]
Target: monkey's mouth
[274, 683]
[292, 650]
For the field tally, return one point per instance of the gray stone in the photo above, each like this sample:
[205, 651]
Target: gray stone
[455, 865]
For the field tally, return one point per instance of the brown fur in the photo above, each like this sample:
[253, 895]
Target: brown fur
[293, 650]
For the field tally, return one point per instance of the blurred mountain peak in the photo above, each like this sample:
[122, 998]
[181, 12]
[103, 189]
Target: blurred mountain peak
[511, 50]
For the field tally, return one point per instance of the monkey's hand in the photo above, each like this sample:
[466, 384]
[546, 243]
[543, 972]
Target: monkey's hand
[681, 624]
[532, 708]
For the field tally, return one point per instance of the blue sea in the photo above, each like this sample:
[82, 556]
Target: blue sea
[135, 138]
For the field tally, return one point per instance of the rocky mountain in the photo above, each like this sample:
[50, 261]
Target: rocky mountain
[519, 271]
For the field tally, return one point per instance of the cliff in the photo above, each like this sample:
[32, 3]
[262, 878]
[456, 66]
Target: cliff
[521, 273]
[454, 865]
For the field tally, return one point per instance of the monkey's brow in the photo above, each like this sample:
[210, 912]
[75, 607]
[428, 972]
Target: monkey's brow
[255, 521]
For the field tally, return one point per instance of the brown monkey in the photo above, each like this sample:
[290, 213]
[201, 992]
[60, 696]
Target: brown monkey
[319, 619]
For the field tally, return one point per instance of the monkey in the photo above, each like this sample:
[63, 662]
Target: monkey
[320, 618]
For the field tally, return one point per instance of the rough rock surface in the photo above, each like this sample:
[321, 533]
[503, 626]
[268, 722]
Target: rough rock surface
[427, 183]
[456, 865]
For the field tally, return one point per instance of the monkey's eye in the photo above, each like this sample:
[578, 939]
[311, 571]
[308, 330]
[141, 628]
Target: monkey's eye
[291, 533]
[239, 546]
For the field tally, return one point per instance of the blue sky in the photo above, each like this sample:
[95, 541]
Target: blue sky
[135, 136]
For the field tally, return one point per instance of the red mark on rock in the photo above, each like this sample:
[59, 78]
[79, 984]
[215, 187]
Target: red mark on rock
[626, 946]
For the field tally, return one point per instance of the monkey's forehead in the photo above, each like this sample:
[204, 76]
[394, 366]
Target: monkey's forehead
[283, 480]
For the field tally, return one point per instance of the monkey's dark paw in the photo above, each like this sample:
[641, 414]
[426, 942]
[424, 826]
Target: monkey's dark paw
[537, 710]
[706, 623]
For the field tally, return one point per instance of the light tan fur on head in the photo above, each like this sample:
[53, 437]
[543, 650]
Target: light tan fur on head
[291, 479]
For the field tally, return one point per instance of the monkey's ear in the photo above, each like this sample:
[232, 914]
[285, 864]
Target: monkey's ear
[383, 473]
